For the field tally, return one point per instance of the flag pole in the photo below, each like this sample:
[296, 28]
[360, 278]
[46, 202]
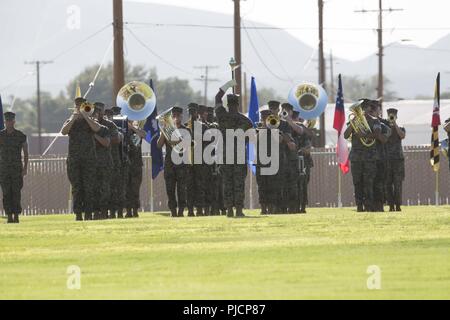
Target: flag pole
[151, 184]
[437, 189]
[339, 187]
[251, 189]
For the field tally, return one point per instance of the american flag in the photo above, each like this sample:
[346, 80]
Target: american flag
[338, 124]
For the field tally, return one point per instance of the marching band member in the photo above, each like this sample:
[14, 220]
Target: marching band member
[82, 159]
[395, 171]
[174, 174]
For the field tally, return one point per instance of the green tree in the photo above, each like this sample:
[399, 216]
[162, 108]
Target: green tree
[356, 88]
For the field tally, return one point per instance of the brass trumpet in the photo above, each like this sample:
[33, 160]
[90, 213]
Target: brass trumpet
[87, 107]
[360, 125]
[273, 121]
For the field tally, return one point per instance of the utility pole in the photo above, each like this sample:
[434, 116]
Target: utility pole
[38, 99]
[205, 78]
[118, 65]
[237, 49]
[380, 87]
[322, 72]
[332, 97]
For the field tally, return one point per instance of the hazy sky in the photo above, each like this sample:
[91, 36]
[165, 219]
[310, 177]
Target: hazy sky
[351, 35]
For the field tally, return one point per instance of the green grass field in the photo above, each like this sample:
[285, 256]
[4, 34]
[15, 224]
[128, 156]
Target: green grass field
[324, 254]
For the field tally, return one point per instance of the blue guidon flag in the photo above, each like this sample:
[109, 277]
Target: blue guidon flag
[152, 129]
[253, 115]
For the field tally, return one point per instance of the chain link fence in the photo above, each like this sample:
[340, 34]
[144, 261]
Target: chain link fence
[47, 189]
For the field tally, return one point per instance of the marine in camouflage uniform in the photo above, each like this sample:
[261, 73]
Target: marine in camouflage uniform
[216, 185]
[117, 182]
[380, 178]
[363, 159]
[304, 143]
[82, 159]
[105, 163]
[196, 173]
[291, 194]
[134, 173]
[263, 181]
[175, 175]
[208, 169]
[12, 143]
[234, 174]
[395, 171]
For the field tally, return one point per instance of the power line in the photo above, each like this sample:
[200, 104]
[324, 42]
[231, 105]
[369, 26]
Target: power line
[272, 53]
[157, 55]
[208, 26]
[261, 59]
[81, 42]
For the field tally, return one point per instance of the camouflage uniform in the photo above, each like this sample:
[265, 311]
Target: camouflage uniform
[197, 177]
[11, 179]
[233, 175]
[282, 180]
[117, 182]
[175, 176]
[364, 169]
[134, 175]
[81, 166]
[395, 172]
[304, 142]
[268, 188]
[104, 171]
[380, 178]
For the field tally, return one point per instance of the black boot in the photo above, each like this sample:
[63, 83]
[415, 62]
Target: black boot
[391, 208]
[206, 211]
[88, 216]
[263, 209]
[180, 212]
[303, 209]
[173, 212]
[230, 213]
[112, 214]
[398, 208]
[104, 214]
[120, 213]
[16, 218]
[191, 212]
[359, 208]
[78, 217]
[239, 213]
[135, 213]
[199, 212]
[10, 218]
[129, 214]
[223, 212]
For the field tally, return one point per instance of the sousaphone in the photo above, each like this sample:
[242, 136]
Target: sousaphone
[309, 99]
[136, 100]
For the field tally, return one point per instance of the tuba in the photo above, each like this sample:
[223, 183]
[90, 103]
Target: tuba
[359, 123]
[170, 131]
[136, 100]
[310, 100]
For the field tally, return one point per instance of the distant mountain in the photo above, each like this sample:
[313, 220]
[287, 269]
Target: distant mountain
[38, 30]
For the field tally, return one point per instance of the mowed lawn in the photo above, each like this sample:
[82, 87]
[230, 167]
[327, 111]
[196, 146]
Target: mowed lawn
[323, 254]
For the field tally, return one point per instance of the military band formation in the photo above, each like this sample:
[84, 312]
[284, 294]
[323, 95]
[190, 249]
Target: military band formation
[105, 167]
